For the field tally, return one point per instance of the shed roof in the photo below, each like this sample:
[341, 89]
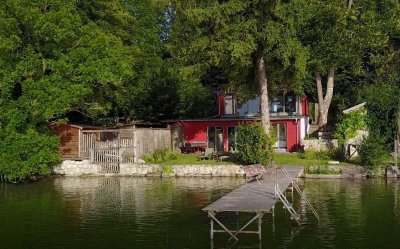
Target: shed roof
[354, 108]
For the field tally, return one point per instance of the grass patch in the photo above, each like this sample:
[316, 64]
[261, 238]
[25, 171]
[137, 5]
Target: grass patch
[169, 158]
[322, 170]
[294, 159]
[194, 159]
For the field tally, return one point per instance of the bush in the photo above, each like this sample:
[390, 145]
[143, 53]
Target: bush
[322, 170]
[317, 155]
[160, 155]
[372, 151]
[349, 126]
[254, 145]
[27, 154]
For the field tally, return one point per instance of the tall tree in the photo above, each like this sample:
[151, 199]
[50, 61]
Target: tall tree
[56, 56]
[341, 33]
[241, 37]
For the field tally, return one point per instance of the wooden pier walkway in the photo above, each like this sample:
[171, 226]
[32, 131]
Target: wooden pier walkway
[257, 197]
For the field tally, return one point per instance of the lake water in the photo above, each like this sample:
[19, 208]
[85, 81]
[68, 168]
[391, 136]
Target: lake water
[141, 213]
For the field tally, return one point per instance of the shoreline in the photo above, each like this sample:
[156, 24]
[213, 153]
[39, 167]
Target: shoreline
[85, 168]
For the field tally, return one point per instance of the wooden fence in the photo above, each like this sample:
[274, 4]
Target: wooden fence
[109, 148]
[150, 139]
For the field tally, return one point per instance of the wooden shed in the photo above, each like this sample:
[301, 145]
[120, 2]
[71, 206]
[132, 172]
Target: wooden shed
[70, 139]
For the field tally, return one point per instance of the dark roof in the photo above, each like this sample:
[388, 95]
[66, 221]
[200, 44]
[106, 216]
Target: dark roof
[237, 118]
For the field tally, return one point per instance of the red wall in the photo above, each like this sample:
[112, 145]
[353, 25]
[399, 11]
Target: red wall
[221, 104]
[292, 143]
[305, 108]
[196, 131]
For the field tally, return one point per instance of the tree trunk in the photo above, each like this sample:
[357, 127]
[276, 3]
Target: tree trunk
[324, 102]
[262, 81]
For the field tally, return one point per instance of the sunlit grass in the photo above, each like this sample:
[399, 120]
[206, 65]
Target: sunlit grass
[194, 159]
[294, 159]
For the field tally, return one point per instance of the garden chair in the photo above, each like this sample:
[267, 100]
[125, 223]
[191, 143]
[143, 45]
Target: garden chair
[208, 153]
[188, 148]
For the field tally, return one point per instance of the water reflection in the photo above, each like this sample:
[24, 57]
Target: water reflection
[128, 212]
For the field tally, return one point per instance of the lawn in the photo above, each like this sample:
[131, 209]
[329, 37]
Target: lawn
[294, 159]
[280, 159]
[193, 159]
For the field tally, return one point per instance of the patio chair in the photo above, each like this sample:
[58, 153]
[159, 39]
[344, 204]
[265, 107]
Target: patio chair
[208, 154]
[188, 148]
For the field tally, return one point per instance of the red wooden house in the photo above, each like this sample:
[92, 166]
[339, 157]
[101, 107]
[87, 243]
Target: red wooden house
[288, 114]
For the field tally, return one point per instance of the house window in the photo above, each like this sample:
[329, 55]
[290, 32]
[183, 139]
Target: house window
[231, 138]
[215, 138]
[230, 104]
[290, 103]
[284, 103]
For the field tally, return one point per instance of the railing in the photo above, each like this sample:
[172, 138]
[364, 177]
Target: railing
[296, 186]
[287, 205]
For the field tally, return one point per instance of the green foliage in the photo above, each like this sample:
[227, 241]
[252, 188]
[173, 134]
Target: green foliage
[349, 126]
[373, 151]
[254, 145]
[57, 57]
[382, 106]
[160, 156]
[338, 35]
[317, 155]
[228, 35]
[167, 169]
[27, 154]
[322, 170]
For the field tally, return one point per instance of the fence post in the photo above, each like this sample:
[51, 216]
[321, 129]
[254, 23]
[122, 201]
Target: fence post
[135, 158]
[91, 151]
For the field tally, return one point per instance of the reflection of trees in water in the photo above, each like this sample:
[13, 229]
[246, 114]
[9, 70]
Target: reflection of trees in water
[352, 212]
[139, 197]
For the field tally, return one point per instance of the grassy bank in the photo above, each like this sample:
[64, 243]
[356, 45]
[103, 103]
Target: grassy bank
[294, 159]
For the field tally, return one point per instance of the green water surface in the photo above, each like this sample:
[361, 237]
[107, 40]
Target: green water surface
[141, 213]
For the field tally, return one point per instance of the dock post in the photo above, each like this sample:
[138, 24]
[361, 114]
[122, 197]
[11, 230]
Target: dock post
[259, 226]
[273, 211]
[212, 229]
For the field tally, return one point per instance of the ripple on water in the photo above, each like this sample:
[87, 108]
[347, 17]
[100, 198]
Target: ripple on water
[128, 212]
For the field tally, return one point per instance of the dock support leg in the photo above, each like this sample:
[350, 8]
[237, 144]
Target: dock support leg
[212, 216]
[259, 227]
[259, 216]
[212, 229]
[273, 211]
[273, 219]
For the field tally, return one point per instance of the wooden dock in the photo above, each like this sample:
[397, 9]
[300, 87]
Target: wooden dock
[257, 197]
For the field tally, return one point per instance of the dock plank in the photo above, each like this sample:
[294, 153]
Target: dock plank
[255, 196]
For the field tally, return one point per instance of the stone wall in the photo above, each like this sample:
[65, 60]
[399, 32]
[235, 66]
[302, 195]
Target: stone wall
[320, 144]
[76, 168]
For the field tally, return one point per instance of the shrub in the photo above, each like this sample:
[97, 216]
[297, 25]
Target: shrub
[160, 155]
[372, 151]
[322, 170]
[27, 154]
[254, 145]
[349, 125]
[317, 155]
[167, 169]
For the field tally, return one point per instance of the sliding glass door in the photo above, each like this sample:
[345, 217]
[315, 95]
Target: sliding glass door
[280, 135]
[215, 138]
